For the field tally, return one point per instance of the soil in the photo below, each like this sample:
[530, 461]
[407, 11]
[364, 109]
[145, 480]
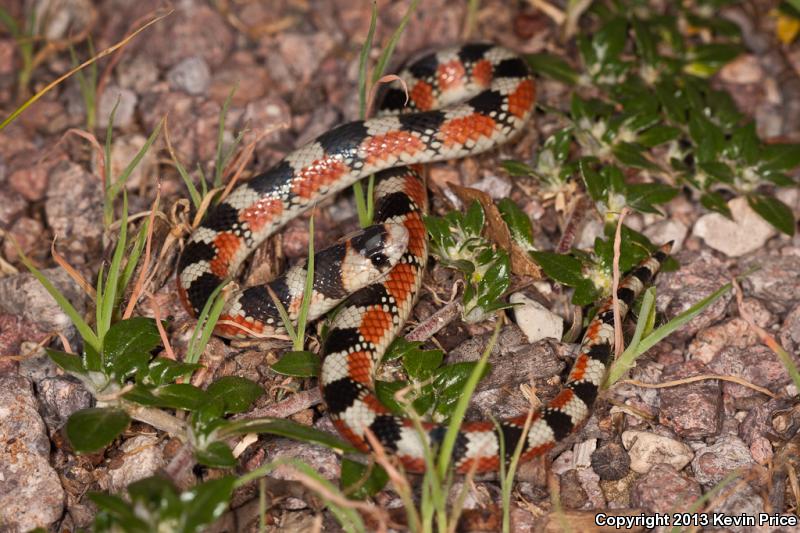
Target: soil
[294, 66]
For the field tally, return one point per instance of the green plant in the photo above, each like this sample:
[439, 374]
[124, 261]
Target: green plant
[113, 187]
[88, 86]
[658, 117]
[24, 36]
[365, 204]
[456, 241]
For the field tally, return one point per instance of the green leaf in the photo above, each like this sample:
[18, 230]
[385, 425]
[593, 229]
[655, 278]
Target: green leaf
[672, 100]
[564, 269]
[658, 135]
[634, 247]
[645, 42]
[708, 137]
[205, 503]
[420, 364]
[385, 391]
[68, 362]
[642, 196]
[91, 358]
[216, 455]
[631, 155]
[237, 394]
[114, 509]
[352, 476]
[715, 202]
[518, 223]
[585, 293]
[595, 185]
[473, 219]
[552, 67]
[707, 58]
[286, 428]
[516, 168]
[399, 348]
[127, 345]
[90, 430]
[745, 144]
[609, 41]
[142, 395]
[773, 211]
[780, 157]
[180, 396]
[717, 170]
[449, 385]
[162, 370]
[302, 364]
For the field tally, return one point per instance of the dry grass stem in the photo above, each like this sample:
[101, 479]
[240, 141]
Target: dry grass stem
[619, 340]
[138, 287]
[74, 274]
[701, 377]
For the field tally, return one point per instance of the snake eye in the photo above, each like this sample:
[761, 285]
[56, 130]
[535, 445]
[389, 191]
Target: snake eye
[380, 260]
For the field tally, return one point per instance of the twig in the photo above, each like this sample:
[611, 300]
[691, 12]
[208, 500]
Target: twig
[293, 404]
[138, 287]
[765, 337]
[619, 340]
[74, 274]
[161, 331]
[434, 323]
[701, 377]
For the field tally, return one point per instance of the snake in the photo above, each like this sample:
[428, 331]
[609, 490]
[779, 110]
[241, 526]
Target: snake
[451, 103]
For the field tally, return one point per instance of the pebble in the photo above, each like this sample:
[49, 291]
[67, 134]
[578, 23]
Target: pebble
[744, 69]
[756, 364]
[611, 462]
[693, 410]
[7, 51]
[776, 283]
[22, 294]
[734, 333]
[744, 501]
[667, 230]
[139, 74]
[495, 186]
[648, 449]
[27, 233]
[141, 457]
[31, 495]
[191, 75]
[59, 398]
[746, 233]
[712, 464]
[303, 53]
[195, 28]
[323, 460]
[30, 181]
[664, 489]
[700, 275]
[12, 204]
[789, 335]
[535, 320]
[123, 150]
[123, 117]
[74, 210]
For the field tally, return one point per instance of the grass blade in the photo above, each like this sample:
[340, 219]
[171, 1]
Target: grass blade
[50, 86]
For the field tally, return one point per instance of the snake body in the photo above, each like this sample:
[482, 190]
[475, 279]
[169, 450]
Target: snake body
[462, 101]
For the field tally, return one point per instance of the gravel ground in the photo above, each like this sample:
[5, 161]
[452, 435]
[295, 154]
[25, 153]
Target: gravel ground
[294, 65]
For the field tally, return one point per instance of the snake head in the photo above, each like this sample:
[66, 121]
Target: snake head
[382, 244]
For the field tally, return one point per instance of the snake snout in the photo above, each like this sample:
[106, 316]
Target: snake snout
[382, 244]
